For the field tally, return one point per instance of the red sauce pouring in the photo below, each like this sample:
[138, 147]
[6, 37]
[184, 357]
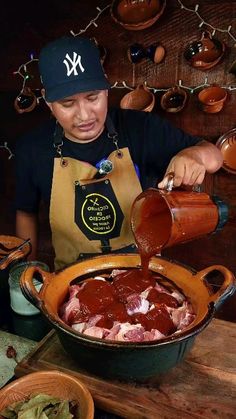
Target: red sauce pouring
[150, 236]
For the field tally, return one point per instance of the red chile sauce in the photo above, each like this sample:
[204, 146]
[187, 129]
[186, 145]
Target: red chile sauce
[109, 298]
[150, 235]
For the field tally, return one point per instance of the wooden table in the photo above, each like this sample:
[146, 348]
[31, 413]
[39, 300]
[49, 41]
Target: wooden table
[203, 386]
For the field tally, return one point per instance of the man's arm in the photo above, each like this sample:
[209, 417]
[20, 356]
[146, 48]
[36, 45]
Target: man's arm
[190, 165]
[27, 228]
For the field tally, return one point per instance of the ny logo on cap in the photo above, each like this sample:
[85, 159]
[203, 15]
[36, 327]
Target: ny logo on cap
[71, 65]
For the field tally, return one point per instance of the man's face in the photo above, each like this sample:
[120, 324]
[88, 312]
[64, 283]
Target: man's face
[82, 115]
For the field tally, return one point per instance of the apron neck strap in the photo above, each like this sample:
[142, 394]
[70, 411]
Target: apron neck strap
[112, 133]
[58, 142]
[58, 135]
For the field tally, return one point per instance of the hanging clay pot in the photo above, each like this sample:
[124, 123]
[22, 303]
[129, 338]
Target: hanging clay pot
[137, 15]
[204, 53]
[25, 101]
[212, 98]
[174, 99]
[141, 99]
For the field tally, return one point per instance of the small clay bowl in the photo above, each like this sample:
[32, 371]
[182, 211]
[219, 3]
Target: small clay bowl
[174, 99]
[204, 53]
[141, 99]
[25, 101]
[137, 15]
[212, 99]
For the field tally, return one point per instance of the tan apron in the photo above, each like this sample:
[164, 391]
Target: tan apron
[91, 215]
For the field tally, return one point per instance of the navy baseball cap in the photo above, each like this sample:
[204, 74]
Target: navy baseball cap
[71, 65]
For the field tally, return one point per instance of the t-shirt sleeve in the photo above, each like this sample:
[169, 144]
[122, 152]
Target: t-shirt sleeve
[152, 142]
[27, 195]
[164, 140]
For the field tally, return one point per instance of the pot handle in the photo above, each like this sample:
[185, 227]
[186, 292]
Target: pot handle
[227, 287]
[15, 256]
[206, 34]
[27, 285]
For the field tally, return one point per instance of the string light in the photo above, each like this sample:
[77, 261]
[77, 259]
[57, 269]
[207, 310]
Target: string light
[22, 72]
[203, 22]
[24, 67]
[92, 22]
[8, 149]
[123, 85]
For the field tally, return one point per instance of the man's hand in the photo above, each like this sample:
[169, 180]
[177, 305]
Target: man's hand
[190, 165]
[185, 171]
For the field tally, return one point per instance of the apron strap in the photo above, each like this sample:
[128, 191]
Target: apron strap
[105, 246]
[57, 135]
[58, 143]
[112, 133]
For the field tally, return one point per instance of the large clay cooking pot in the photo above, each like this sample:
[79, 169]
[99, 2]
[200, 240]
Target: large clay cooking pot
[127, 360]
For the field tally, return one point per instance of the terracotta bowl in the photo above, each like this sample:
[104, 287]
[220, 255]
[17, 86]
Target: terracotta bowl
[53, 383]
[174, 99]
[204, 53]
[136, 15]
[212, 99]
[124, 360]
[140, 99]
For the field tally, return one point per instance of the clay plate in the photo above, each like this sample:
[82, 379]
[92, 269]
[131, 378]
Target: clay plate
[227, 144]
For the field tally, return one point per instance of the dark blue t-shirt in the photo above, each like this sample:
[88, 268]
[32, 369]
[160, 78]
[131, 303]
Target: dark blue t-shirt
[152, 142]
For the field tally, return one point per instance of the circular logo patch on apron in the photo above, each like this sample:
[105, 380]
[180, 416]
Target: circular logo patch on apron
[97, 210]
[98, 214]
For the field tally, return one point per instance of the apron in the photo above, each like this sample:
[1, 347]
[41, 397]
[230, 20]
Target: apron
[89, 215]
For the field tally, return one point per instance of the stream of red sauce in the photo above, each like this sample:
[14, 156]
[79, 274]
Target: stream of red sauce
[109, 299]
[150, 235]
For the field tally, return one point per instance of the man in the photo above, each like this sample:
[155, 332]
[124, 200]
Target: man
[88, 164]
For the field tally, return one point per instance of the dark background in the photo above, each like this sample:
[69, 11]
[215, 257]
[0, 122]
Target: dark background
[27, 26]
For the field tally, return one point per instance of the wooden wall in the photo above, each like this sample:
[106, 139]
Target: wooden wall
[34, 25]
